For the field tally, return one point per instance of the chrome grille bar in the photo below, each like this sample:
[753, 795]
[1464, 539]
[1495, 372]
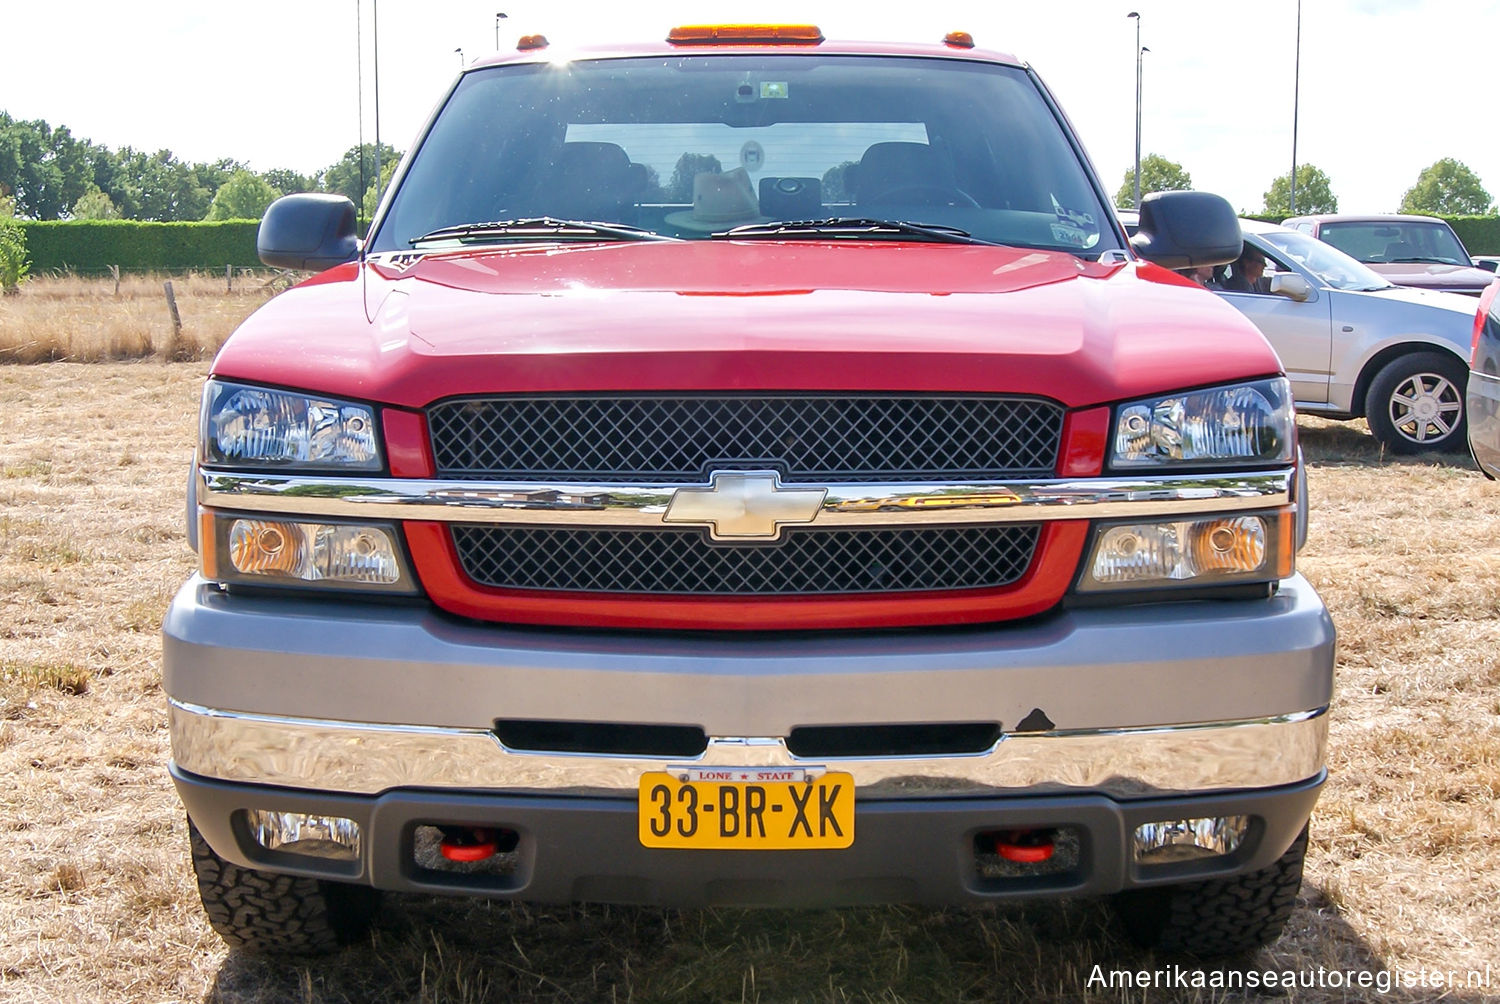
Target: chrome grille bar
[642, 506]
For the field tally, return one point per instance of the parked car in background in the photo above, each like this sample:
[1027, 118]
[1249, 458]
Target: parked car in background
[1354, 345]
[1483, 397]
[1488, 262]
[1420, 251]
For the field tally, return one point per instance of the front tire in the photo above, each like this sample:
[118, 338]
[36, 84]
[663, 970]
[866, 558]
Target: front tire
[1416, 403]
[1231, 916]
[270, 914]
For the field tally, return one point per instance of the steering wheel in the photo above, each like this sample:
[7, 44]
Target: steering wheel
[945, 195]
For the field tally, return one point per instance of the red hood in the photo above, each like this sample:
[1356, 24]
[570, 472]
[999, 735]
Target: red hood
[746, 316]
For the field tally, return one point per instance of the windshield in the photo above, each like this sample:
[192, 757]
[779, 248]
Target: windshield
[687, 146]
[1402, 241]
[1328, 263]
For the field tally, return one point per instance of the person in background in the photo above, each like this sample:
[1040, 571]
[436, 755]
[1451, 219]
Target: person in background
[1248, 273]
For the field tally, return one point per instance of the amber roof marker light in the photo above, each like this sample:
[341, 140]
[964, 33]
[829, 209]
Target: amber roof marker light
[959, 40]
[529, 42]
[745, 34]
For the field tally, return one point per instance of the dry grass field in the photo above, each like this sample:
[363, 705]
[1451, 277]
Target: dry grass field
[97, 901]
[66, 318]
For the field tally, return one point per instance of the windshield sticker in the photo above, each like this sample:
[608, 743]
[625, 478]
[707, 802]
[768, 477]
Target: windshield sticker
[1073, 228]
[1072, 237]
[752, 156]
[773, 89]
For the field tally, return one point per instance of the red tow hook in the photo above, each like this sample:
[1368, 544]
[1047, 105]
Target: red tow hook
[471, 843]
[1026, 847]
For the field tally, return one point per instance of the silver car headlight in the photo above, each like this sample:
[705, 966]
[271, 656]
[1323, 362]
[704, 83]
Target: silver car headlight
[1236, 424]
[250, 427]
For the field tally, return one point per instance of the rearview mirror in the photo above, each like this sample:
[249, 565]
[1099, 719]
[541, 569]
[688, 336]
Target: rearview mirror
[308, 231]
[1292, 286]
[1187, 229]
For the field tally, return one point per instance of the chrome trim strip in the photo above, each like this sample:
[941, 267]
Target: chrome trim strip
[1124, 763]
[642, 506]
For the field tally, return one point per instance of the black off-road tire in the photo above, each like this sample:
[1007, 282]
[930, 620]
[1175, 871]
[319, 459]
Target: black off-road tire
[1218, 917]
[270, 914]
[1435, 377]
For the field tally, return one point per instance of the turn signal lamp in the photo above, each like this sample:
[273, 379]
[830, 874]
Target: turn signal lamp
[283, 552]
[745, 34]
[1208, 551]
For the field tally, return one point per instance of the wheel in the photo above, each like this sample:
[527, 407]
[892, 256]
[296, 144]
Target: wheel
[1216, 917]
[927, 193]
[271, 914]
[1416, 403]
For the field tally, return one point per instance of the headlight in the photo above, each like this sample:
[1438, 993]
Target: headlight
[257, 427]
[1242, 423]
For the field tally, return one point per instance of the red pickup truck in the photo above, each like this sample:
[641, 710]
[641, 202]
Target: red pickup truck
[748, 469]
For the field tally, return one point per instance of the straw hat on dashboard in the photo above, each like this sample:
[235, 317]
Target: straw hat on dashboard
[720, 201]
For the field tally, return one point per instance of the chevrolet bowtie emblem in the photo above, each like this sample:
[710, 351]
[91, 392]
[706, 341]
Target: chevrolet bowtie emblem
[745, 505]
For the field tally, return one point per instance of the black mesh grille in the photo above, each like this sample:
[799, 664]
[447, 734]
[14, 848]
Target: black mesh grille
[806, 438]
[806, 561]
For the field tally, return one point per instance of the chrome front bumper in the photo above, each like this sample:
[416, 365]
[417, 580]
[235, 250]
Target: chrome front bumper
[1123, 763]
[348, 696]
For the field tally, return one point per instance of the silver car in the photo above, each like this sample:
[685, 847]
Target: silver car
[1356, 346]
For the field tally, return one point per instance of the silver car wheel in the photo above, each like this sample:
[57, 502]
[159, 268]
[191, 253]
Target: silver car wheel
[1425, 407]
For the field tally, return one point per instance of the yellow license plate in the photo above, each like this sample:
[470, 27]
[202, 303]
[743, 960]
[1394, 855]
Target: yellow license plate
[746, 809]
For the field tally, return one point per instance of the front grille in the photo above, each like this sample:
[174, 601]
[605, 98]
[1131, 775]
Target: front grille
[806, 438]
[685, 563]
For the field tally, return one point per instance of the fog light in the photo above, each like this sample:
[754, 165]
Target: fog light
[331, 837]
[1189, 839]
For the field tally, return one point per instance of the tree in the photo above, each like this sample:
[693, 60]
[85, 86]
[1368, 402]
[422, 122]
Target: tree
[680, 186]
[348, 178]
[158, 186]
[1314, 193]
[94, 205]
[377, 189]
[1158, 174]
[287, 181]
[46, 170]
[1447, 188]
[13, 261]
[244, 196]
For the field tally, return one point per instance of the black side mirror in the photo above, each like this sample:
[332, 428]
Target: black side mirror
[309, 231]
[1187, 229]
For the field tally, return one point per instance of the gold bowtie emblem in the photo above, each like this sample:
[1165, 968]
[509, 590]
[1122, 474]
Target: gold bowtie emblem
[745, 505]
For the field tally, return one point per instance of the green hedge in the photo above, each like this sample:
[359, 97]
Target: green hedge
[1480, 234]
[91, 246]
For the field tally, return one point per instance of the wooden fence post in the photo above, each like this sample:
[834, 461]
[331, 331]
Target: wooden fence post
[229, 278]
[176, 343]
[115, 270]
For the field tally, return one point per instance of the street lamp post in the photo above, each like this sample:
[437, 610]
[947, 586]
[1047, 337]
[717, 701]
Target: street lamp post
[1296, 95]
[460, 51]
[1138, 52]
[499, 16]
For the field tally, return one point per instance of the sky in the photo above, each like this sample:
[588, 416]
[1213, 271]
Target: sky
[1386, 86]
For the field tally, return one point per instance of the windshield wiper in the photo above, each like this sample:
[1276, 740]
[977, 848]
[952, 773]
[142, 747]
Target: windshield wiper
[539, 228]
[854, 228]
[1434, 261]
